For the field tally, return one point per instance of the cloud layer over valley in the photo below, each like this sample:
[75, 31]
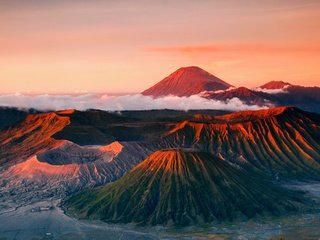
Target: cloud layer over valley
[118, 103]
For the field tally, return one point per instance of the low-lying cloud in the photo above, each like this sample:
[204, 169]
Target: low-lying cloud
[119, 103]
[273, 91]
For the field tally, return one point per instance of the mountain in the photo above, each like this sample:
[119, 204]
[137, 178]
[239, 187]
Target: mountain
[187, 81]
[246, 95]
[26, 136]
[306, 98]
[281, 93]
[35, 164]
[281, 142]
[193, 80]
[55, 154]
[32, 135]
[182, 187]
[272, 94]
[275, 85]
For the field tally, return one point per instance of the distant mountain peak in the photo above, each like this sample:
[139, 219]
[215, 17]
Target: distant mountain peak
[187, 81]
[191, 70]
[275, 85]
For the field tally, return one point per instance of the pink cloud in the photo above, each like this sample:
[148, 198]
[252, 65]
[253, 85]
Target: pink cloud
[239, 47]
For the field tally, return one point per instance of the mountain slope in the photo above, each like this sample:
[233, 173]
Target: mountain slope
[42, 131]
[181, 187]
[47, 154]
[32, 135]
[68, 168]
[281, 93]
[275, 85]
[281, 141]
[193, 80]
[185, 82]
[246, 95]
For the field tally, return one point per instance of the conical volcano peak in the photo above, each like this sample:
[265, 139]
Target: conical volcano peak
[191, 70]
[175, 187]
[187, 81]
[170, 158]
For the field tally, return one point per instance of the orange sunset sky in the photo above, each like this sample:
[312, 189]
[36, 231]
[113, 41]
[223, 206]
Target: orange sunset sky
[65, 46]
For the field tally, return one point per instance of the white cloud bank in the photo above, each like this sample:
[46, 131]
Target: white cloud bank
[273, 91]
[118, 103]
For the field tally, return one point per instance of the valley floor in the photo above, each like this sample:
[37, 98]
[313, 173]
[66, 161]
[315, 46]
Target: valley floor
[45, 220]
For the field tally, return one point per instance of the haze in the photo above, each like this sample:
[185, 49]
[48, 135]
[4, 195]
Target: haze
[127, 46]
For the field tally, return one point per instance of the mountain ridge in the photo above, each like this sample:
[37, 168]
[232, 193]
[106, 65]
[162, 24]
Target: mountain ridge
[278, 142]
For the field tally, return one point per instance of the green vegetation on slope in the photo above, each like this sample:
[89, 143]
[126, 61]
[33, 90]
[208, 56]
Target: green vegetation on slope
[181, 187]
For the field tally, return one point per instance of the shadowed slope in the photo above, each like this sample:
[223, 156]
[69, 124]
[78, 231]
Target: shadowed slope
[10, 116]
[181, 188]
[97, 127]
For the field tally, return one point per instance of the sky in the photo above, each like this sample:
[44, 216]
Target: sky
[68, 46]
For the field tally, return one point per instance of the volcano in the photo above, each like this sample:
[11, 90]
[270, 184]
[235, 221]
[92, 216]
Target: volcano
[182, 187]
[187, 81]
